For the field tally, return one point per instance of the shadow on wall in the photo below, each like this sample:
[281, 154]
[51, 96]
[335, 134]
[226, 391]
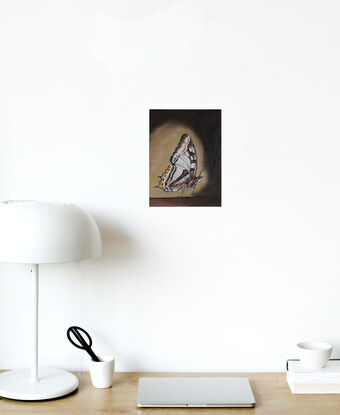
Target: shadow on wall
[118, 246]
[121, 257]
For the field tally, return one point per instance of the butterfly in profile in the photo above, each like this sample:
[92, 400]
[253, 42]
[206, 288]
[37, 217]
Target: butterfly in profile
[181, 172]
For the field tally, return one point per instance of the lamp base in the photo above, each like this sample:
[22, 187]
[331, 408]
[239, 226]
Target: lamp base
[52, 383]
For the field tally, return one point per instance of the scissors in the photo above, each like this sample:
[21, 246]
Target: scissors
[83, 344]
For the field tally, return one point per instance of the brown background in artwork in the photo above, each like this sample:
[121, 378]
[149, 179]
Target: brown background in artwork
[166, 128]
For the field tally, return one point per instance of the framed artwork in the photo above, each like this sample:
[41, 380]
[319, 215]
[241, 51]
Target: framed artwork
[185, 158]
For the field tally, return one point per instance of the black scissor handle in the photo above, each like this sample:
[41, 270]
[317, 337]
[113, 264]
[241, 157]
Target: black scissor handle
[75, 330]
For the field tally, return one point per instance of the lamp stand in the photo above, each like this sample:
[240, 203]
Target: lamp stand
[36, 384]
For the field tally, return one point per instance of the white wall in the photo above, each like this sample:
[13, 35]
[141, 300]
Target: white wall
[77, 79]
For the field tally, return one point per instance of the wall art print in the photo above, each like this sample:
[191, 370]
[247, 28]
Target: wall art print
[185, 157]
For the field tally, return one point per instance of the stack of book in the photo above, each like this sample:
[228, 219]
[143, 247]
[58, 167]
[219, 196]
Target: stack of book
[324, 380]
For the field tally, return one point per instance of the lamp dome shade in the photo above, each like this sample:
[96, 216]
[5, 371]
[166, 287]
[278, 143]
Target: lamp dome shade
[34, 232]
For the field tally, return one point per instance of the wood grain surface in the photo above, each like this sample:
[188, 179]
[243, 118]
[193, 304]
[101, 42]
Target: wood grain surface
[271, 392]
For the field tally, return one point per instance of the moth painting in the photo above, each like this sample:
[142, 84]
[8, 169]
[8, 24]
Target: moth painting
[181, 172]
[185, 158]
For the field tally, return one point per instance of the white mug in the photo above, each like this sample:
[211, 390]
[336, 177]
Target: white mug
[102, 372]
[314, 355]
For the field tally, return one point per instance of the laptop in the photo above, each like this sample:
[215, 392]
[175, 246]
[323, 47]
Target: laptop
[198, 392]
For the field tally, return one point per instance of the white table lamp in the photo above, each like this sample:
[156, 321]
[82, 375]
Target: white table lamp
[33, 232]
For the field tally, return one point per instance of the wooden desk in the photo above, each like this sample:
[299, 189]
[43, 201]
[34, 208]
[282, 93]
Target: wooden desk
[271, 392]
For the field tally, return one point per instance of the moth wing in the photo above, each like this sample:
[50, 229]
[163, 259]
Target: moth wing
[178, 172]
[179, 178]
[181, 148]
[183, 166]
[185, 154]
[192, 155]
[183, 161]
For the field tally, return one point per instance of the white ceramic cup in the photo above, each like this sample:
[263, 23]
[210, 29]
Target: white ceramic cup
[314, 355]
[102, 372]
